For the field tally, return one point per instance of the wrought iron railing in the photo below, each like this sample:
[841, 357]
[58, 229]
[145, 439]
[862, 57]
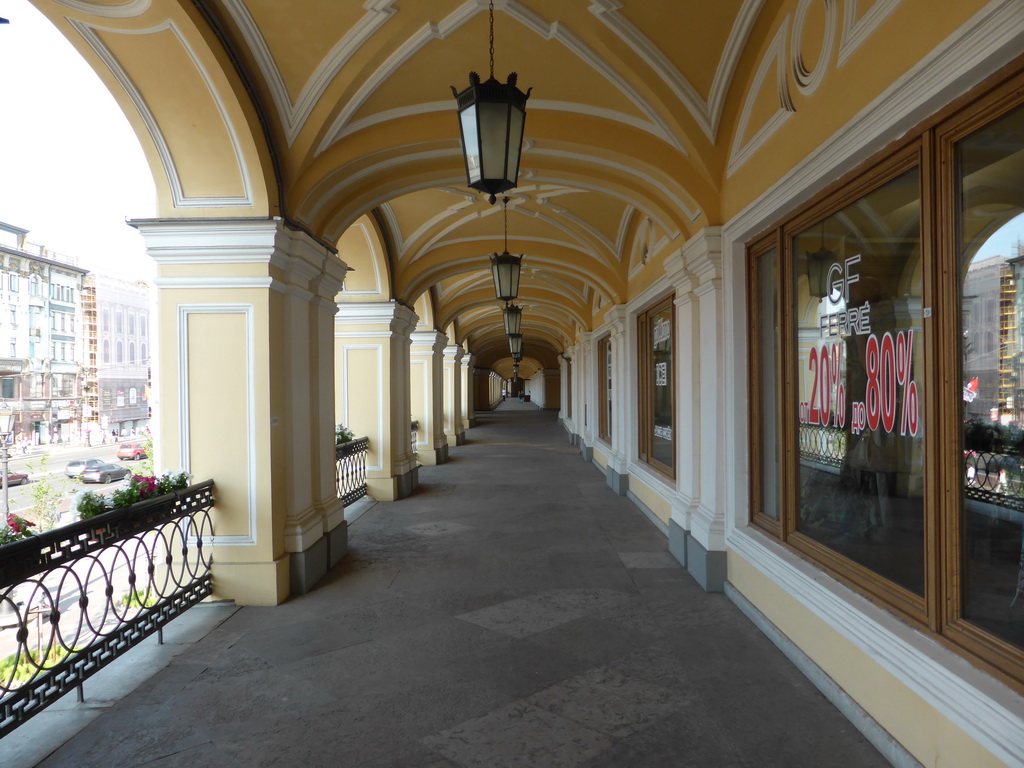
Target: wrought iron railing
[350, 469]
[824, 445]
[75, 598]
[994, 478]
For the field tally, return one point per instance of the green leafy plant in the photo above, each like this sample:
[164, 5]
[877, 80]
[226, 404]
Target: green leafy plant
[134, 599]
[47, 494]
[17, 528]
[26, 670]
[140, 487]
[88, 504]
[342, 434]
[145, 466]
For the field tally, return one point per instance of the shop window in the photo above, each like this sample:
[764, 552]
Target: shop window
[604, 387]
[133, 396]
[887, 379]
[656, 332]
[7, 387]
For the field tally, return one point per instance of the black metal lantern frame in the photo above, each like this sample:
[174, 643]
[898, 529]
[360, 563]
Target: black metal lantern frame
[491, 119]
[513, 318]
[515, 344]
[506, 268]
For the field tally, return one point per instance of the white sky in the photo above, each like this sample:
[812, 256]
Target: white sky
[71, 168]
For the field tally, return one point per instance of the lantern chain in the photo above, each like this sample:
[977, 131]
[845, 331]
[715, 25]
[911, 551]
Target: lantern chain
[504, 206]
[490, 9]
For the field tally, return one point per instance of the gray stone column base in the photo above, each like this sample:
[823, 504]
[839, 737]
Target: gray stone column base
[307, 568]
[587, 452]
[407, 483]
[337, 544]
[707, 568]
[618, 483]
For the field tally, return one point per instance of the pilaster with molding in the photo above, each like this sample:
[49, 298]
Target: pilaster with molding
[426, 376]
[237, 327]
[372, 351]
[453, 421]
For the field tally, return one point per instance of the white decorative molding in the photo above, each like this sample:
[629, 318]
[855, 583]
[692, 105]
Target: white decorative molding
[856, 32]
[220, 283]
[708, 113]
[987, 711]
[344, 374]
[293, 116]
[374, 259]
[126, 10]
[776, 54]
[184, 407]
[343, 123]
[180, 200]
[808, 80]
[989, 40]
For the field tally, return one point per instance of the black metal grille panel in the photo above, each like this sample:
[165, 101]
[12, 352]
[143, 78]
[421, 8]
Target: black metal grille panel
[74, 599]
[350, 469]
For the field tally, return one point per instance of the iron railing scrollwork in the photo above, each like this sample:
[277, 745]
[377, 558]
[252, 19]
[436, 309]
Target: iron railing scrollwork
[824, 445]
[350, 469]
[75, 598]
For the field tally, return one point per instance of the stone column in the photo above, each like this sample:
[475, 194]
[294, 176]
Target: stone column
[468, 405]
[238, 325]
[371, 348]
[426, 392]
[697, 526]
[618, 462]
[453, 423]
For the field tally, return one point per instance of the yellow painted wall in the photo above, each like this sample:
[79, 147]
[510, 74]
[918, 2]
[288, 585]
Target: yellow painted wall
[651, 498]
[922, 730]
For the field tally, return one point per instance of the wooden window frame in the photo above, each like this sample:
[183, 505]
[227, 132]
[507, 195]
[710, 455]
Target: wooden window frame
[645, 403]
[931, 148]
[604, 427]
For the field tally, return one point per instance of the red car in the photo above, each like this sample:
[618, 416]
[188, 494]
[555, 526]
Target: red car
[131, 451]
[16, 478]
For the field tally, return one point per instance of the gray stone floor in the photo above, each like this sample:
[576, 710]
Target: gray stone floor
[513, 612]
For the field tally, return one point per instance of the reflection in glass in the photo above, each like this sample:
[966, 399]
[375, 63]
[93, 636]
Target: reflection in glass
[768, 324]
[861, 388]
[661, 376]
[989, 167]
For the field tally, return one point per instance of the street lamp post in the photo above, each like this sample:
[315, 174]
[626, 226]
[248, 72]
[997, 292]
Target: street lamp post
[6, 429]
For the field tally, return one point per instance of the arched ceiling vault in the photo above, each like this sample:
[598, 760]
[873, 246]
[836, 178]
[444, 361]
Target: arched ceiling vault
[339, 117]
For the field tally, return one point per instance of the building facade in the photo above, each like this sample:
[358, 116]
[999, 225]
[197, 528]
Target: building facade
[41, 323]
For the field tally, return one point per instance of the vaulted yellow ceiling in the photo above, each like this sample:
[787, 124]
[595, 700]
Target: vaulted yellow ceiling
[648, 120]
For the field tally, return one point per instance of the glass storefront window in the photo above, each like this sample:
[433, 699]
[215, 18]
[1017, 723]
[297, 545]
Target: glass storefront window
[657, 419]
[991, 260]
[768, 330]
[859, 356]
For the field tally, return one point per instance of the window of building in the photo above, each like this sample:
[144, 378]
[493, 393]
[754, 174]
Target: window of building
[14, 317]
[119, 352]
[14, 348]
[35, 286]
[886, 302]
[604, 387]
[655, 334]
[142, 324]
[131, 352]
[131, 323]
[12, 283]
[106, 350]
[7, 387]
[133, 396]
[105, 318]
[118, 321]
[143, 355]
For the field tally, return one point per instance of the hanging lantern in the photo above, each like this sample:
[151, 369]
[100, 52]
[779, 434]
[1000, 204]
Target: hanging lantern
[515, 371]
[491, 119]
[513, 318]
[505, 268]
[515, 345]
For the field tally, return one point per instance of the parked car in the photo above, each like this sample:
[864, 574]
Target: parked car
[16, 478]
[105, 473]
[78, 466]
[131, 451]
